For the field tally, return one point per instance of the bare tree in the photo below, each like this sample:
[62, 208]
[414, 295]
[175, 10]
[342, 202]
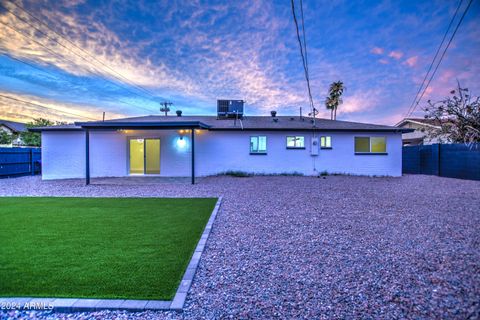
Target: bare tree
[457, 116]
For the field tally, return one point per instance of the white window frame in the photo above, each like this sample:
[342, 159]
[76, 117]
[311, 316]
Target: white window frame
[370, 145]
[325, 139]
[258, 151]
[295, 142]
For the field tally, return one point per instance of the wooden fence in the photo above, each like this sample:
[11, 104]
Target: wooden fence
[19, 161]
[446, 160]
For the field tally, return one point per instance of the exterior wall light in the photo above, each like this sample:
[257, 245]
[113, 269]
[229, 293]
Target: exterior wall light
[181, 143]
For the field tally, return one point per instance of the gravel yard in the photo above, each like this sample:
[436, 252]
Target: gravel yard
[313, 248]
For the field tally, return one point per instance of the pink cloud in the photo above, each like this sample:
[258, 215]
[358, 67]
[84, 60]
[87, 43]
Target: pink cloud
[446, 76]
[395, 54]
[360, 101]
[412, 61]
[383, 61]
[429, 91]
[377, 50]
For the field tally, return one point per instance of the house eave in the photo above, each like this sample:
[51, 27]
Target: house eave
[398, 130]
[143, 125]
[41, 129]
[177, 125]
[403, 122]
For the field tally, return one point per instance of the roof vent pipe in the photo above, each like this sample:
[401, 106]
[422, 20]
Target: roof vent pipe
[179, 113]
[273, 113]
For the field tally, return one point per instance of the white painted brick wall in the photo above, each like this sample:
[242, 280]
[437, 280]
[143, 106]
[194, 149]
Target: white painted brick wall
[63, 154]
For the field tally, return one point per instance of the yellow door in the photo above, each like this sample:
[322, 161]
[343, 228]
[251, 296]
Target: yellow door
[144, 156]
[137, 156]
[152, 159]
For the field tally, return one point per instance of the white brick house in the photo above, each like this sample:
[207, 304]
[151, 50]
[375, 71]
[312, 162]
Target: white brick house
[182, 146]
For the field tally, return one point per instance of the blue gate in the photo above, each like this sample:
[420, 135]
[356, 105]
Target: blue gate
[19, 161]
[446, 160]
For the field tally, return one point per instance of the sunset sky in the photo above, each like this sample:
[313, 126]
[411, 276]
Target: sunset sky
[125, 57]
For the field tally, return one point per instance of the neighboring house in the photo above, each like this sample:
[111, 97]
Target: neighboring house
[420, 135]
[183, 146]
[15, 128]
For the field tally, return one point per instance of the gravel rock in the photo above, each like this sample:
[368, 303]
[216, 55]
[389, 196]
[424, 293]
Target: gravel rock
[304, 248]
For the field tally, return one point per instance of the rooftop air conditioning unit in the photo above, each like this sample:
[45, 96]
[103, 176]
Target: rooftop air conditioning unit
[230, 108]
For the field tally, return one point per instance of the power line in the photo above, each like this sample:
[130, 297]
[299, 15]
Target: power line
[83, 58]
[434, 58]
[29, 64]
[304, 37]
[71, 61]
[305, 67]
[45, 71]
[443, 55]
[77, 47]
[44, 107]
[306, 55]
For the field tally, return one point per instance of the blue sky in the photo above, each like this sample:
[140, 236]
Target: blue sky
[194, 52]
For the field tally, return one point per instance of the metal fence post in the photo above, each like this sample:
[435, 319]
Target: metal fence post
[32, 165]
[87, 157]
[439, 171]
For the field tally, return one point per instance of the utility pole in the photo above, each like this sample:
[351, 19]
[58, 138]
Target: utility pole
[166, 107]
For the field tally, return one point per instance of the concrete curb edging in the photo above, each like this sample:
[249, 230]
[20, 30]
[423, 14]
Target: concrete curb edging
[186, 282]
[88, 305]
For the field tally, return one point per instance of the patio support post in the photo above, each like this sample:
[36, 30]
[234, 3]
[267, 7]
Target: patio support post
[193, 156]
[87, 157]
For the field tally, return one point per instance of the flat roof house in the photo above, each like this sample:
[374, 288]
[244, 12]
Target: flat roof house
[419, 133]
[184, 146]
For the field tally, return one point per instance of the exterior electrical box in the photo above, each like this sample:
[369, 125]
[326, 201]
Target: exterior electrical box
[230, 108]
[314, 147]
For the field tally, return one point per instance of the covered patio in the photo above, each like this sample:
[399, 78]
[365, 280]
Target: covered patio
[188, 126]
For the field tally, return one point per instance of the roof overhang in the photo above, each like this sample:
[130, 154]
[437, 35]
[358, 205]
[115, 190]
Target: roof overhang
[176, 125]
[394, 130]
[9, 127]
[54, 128]
[405, 121]
[163, 125]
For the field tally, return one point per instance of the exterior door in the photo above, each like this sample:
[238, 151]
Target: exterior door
[152, 156]
[144, 156]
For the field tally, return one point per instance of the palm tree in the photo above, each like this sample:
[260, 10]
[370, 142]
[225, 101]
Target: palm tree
[335, 98]
[329, 103]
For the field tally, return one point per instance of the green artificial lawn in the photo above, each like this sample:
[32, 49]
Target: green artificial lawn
[129, 248]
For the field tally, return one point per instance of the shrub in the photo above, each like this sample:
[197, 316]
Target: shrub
[237, 173]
